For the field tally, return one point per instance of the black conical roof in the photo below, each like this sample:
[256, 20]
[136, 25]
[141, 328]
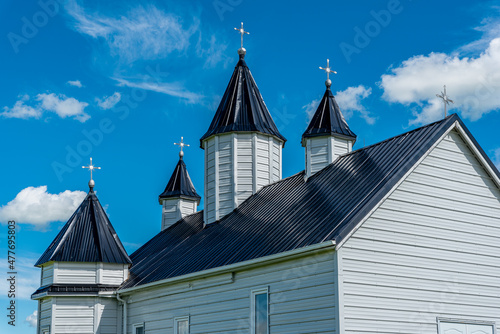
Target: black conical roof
[328, 120]
[180, 184]
[88, 236]
[242, 107]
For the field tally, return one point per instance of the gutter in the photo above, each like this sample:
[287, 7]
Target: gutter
[330, 244]
[124, 302]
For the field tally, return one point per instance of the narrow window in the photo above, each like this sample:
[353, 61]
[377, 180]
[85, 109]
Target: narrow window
[138, 328]
[181, 325]
[260, 311]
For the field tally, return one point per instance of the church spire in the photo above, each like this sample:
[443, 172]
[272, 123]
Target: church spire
[179, 198]
[328, 135]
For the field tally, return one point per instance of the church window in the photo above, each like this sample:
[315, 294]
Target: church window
[260, 311]
[181, 325]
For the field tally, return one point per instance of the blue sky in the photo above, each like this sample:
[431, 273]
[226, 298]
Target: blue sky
[121, 81]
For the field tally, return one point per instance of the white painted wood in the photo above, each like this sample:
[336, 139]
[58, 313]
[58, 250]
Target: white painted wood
[429, 251]
[76, 273]
[45, 315]
[237, 165]
[74, 315]
[173, 209]
[323, 150]
[47, 274]
[301, 295]
[108, 316]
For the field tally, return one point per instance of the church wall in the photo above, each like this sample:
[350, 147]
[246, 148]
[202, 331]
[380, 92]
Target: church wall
[89, 273]
[322, 151]
[176, 208]
[45, 316]
[47, 274]
[301, 299]
[430, 250]
[252, 160]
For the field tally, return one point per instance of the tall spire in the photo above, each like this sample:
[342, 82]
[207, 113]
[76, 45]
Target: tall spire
[242, 108]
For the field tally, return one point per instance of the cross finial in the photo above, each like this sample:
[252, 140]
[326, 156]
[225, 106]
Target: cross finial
[446, 99]
[241, 50]
[328, 70]
[181, 145]
[91, 168]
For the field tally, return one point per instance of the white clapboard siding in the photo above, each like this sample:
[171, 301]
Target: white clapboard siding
[237, 165]
[74, 315]
[430, 250]
[108, 310]
[301, 296]
[76, 273]
[45, 316]
[176, 208]
[47, 274]
[322, 151]
[113, 273]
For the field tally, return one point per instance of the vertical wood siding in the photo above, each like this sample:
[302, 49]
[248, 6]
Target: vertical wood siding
[430, 250]
[301, 296]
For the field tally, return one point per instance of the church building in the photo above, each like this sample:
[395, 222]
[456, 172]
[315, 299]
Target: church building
[397, 237]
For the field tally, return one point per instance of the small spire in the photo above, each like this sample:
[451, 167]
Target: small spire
[91, 168]
[328, 70]
[181, 145]
[446, 99]
[242, 51]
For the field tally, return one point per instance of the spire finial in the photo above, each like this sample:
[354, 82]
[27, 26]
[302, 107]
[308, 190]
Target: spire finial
[91, 168]
[446, 99]
[328, 70]
[181, 145]
[241, 50]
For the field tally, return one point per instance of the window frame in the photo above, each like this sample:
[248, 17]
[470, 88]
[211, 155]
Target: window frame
[466, 322]
[179, 319]
[253, 294]
[139, 325]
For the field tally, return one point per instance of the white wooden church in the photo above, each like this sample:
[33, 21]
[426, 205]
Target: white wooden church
[401, 236]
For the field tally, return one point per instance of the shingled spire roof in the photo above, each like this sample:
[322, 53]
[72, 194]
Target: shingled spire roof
[88, 236]
[328, 120]
[242, 107]
[180, 184]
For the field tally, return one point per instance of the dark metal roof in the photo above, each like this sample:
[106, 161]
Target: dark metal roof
[80, 289]
[328, 120]
[180, 184]
[88, 236]
[288, 214]
[242, 107]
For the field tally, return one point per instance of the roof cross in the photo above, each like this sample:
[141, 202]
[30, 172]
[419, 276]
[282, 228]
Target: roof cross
[91, 168]
[446, 99]
[328, 70]
[242, 32]
[181, 145]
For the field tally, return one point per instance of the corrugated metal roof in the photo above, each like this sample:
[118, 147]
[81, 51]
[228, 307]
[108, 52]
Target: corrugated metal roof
[180, 184]
[288, 214]
[328, 120]
[88, 236]
[242, 107]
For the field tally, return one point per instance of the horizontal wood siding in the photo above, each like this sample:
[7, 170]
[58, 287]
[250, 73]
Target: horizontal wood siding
[108, 310]
[301, 296]
[74, 315]
[244, 169]
[47, 274]
[319, 153]
[45, 316]
[76, 273]
[113, 273]
[226, 200]
[263, 161]
[170, 212]
[340, 146]
[276, 160]
[210, 180]
[430, 250]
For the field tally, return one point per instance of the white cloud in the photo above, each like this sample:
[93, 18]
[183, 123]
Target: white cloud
[143, 33]
[311, 109]
[473, 83]
[173, 89]
[349, 101]
[213, 51]
[64, 106]
[34, 205]
[75, 83]
[32, 319]
[109, 102]
[21, 110]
